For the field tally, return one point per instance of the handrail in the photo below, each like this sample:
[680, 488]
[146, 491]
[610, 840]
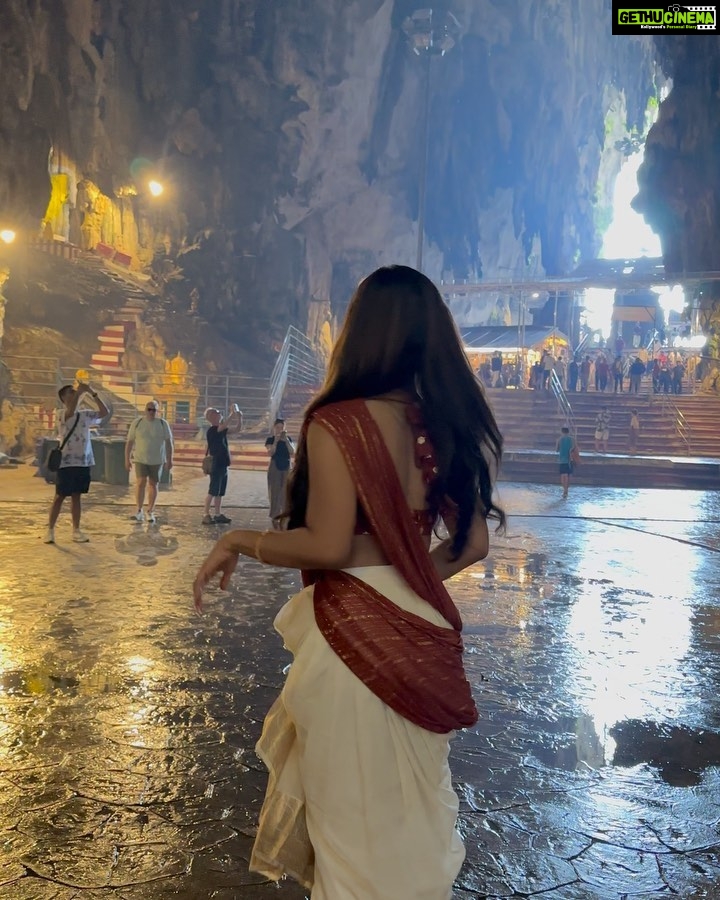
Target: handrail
[278, 379]
[583, 343]
[297, 363]
[563, 402]
[670, 410]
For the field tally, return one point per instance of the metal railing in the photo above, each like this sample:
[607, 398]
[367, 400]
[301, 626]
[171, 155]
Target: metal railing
[297, 363]
[671, 411]
[128, 392]
[563, 403]
[31, 384]
[584, 341]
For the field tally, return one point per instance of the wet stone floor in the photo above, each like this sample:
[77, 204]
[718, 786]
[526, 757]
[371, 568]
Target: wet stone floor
[127, 723]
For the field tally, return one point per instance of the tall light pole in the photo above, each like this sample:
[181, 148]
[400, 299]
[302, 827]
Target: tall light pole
[429, 35]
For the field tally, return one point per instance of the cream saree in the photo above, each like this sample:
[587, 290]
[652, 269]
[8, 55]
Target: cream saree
[360, 804]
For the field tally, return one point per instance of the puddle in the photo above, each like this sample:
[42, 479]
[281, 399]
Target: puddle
[147, 546]
[34, 682]
[680, 754]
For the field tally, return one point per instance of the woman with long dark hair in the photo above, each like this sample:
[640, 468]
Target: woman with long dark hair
[360, 801]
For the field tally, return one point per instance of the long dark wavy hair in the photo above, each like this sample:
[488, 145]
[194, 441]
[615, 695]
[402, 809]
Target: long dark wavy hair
[399, 335]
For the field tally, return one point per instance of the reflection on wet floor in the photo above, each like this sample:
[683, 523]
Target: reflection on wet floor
[147, 545]
[127, 724]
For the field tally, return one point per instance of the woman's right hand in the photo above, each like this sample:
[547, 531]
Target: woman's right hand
[221, 559]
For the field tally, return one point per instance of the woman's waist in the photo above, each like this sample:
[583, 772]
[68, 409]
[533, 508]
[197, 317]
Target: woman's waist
[386, 580]
[365, 551]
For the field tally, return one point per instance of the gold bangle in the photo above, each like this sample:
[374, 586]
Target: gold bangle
[258, 542]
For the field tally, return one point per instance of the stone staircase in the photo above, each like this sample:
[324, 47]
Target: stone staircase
[658, 435]
[107, 361]
[527, 419]
[702, 415]
[113, 343]
[530, 420]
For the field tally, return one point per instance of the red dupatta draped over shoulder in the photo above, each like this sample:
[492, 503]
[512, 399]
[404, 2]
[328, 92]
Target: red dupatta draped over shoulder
[412, 665]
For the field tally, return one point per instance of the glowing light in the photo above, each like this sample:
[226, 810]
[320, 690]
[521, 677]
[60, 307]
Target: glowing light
[7, 235]
[139, 664]
[155, 188]
[598, 303]
[696, 342]
[629, 236]
[672, 299]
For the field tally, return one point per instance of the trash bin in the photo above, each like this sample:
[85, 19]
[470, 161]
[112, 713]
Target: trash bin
[45, 445]
[97, 473]
[115, 471]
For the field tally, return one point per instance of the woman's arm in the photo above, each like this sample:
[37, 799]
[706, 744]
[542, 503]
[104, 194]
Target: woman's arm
[476, 548]
[324, 542]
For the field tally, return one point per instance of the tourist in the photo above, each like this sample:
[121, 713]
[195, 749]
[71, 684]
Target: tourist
[573, 374]
[217, 448]
[73, 476]
[566, 448]
[602, 372]
[360, 800]
[678, 373]
[280, 449]
[602, 430]
[496, 365]
[548, 366]
[618, 371]
[656, 369]
[637, 370]
[634, 431]
[536, 375]
[665, 379]
[149, 446]
[585, 373]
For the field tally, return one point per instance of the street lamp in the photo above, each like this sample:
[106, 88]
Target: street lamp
[428, 35]
[155, 188]
[7, 235]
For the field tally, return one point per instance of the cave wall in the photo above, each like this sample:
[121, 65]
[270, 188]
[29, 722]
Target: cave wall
[679, 180]
[288, 136]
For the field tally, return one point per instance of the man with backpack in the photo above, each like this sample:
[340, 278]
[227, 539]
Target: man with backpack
[150, 445]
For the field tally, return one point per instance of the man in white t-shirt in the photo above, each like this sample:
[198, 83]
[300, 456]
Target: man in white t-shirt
[150, 444]
[73, 476]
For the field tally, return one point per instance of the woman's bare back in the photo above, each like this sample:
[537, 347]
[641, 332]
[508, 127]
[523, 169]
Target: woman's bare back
[390, 415]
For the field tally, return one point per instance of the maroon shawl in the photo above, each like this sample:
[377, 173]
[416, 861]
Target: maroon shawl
[412, 665]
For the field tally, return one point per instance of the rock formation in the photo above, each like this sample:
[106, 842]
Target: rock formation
[288, 139]
[680, 179]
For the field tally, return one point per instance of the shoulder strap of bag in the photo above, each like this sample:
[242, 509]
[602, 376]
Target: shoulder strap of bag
[67, 436]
